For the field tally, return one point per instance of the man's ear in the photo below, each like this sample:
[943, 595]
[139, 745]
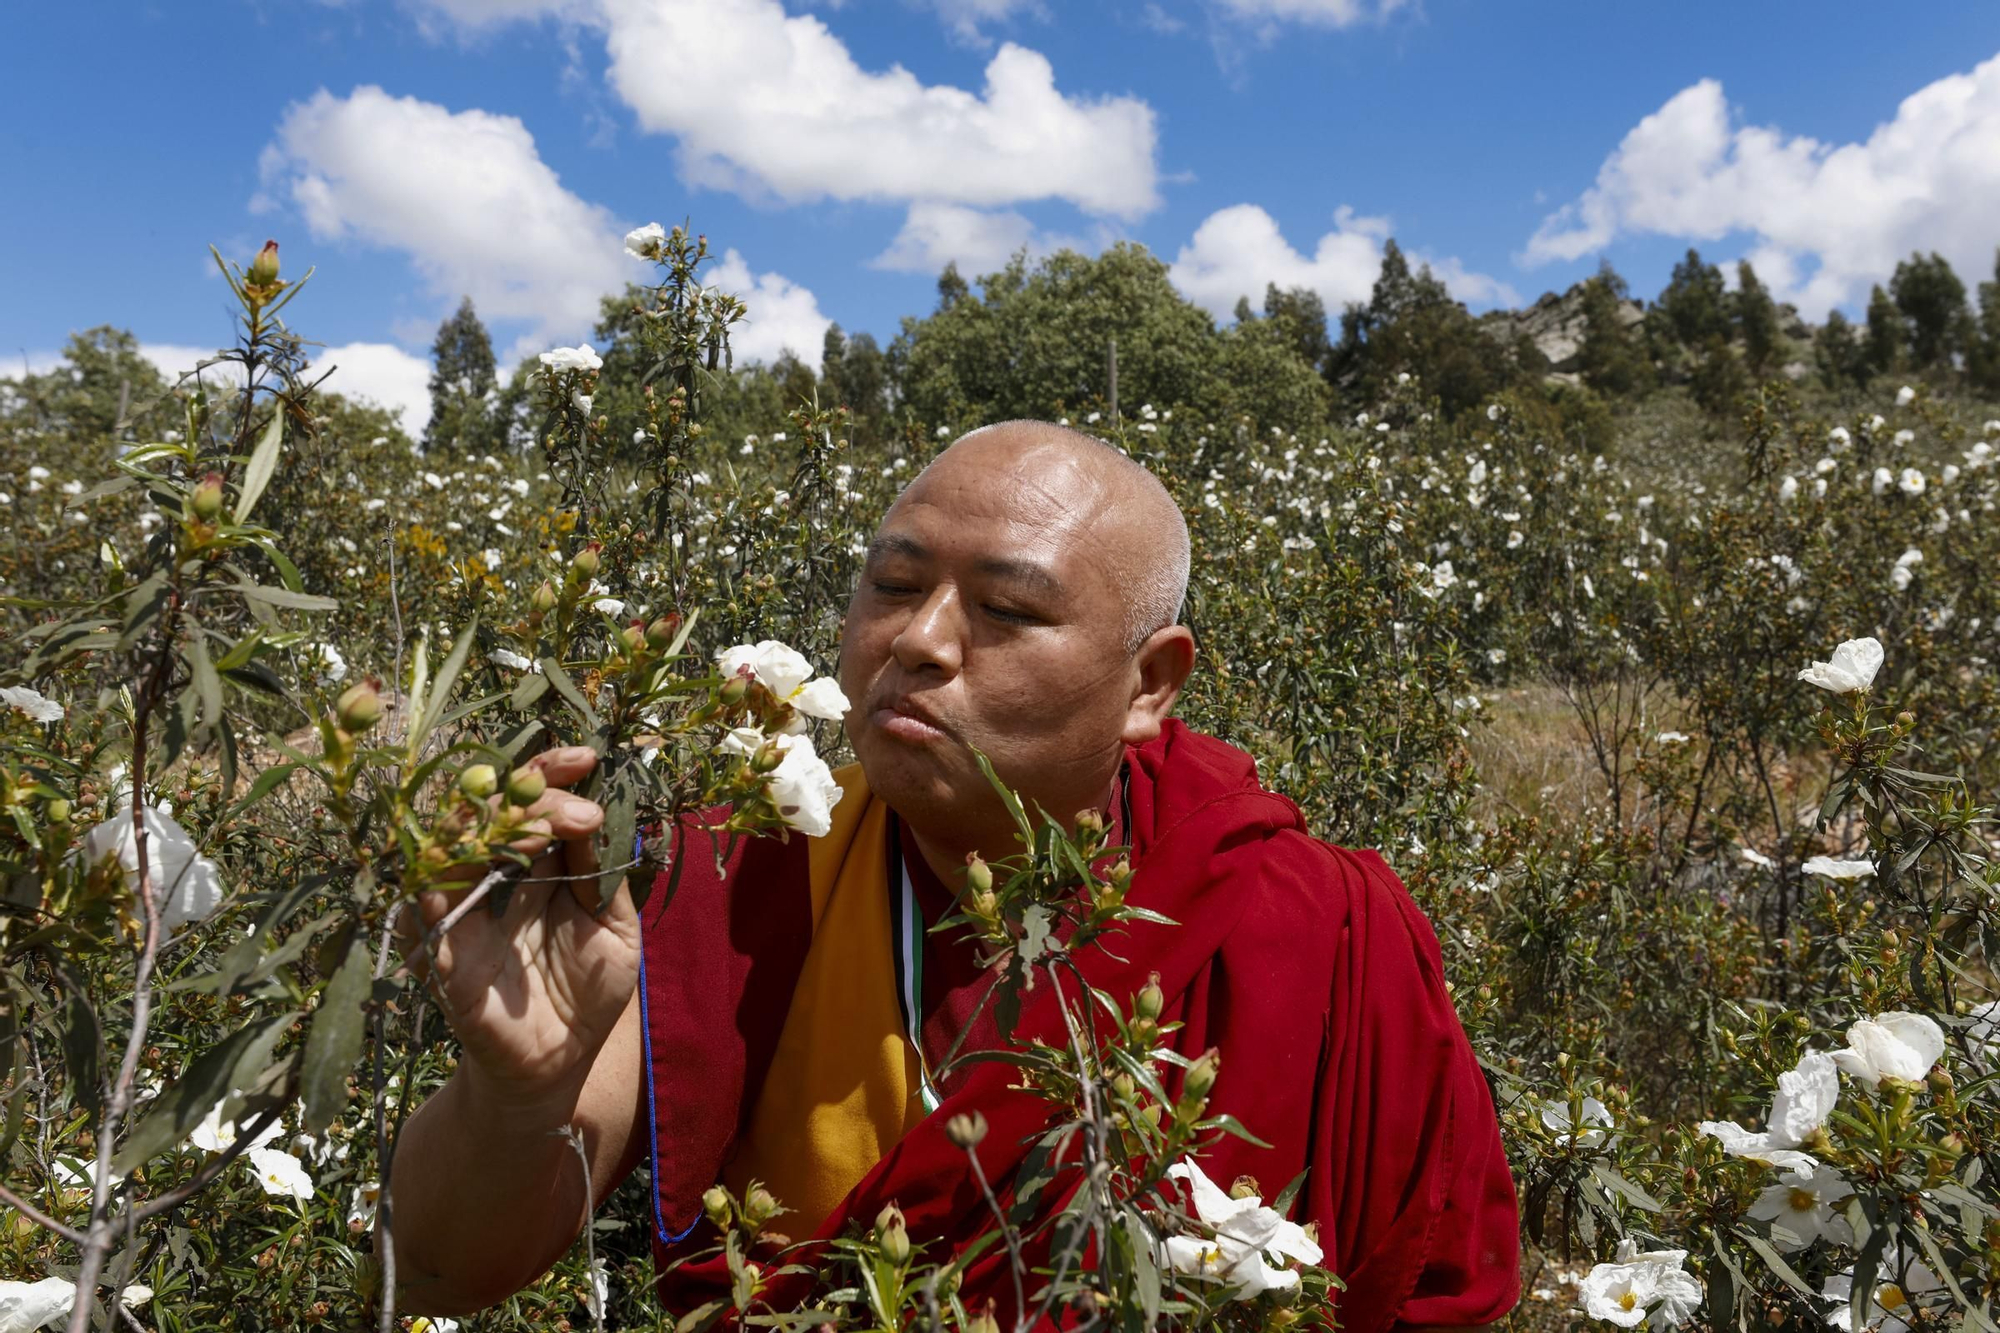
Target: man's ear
[1163, 663]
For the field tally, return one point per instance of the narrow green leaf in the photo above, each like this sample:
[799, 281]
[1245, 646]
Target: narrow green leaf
[286, 598]
[440, 692]
[568, 690]
[206, 683]
[263, 462]
[1776, 1263]
[223, 1068]
[333, 1044]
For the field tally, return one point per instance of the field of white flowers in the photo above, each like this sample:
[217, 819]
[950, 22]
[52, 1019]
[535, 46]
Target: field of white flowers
[1692, 768]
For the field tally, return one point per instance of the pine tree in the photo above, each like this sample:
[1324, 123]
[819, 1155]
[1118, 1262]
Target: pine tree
[1694, 302]
[1931, 300]
[1884, 346]
[1838, 353]
[1611, 358]
[1982, 360]
[1300, 317]
[462, 385]
[1756, 321]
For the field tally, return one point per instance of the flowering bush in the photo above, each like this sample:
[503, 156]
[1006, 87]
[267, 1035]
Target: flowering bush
[1690, 768]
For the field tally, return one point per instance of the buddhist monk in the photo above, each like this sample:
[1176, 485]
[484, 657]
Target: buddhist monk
[785, 1018]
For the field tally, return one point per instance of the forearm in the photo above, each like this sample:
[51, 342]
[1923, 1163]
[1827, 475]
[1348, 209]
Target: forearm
[487, 1194]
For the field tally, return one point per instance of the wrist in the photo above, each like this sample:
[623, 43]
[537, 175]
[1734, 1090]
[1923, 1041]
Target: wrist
[535, 1106]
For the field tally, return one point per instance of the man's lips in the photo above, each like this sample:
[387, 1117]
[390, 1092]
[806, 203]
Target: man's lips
[907, 720]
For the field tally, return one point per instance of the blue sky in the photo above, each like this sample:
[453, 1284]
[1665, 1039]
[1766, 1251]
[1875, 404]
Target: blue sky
[414, 149]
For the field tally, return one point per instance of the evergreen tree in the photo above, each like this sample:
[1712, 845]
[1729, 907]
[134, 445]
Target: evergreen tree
[1838, 353]
[1612, 358]
[1300, 319]
[854, 374]
[1412, 324]
[1694, 302]
[1982, 362]
[1884, 346]
[1756, 321]
[1931, 300]
[462, 382]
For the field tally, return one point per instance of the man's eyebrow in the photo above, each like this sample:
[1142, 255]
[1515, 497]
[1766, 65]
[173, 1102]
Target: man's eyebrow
[895, 543]
[1037, 576]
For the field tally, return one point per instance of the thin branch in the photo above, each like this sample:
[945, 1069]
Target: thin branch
[574, 1137]
[212, 1168]
[38, 1217]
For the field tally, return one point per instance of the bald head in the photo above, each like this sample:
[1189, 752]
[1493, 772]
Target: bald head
[1146, 529]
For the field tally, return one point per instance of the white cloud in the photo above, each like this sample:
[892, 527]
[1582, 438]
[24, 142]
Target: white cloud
[1237, 251]
[1316, 13]
[964, 17]
[464, 194]
[384, 374]
[177, 359]
[20, 364]
[783, 315]
[473, 15]
[977, 240]
[1825, 219]
[768, 103]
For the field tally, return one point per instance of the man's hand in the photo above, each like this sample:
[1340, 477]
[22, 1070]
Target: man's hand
[534, 992]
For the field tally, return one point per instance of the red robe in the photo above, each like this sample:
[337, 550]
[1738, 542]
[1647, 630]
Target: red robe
[1306, 965]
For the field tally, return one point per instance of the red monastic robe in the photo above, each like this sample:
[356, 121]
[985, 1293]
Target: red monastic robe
[1308, 966]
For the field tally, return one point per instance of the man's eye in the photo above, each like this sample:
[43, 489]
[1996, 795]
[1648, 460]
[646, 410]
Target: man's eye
[893, 589]
[1012, 617]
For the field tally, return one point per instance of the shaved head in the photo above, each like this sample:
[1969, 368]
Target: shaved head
[1151, 531]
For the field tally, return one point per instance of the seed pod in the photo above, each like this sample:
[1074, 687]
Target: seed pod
[587, 561]
[1201, 1074]
[978, 874]
[264, 268]
[57, 811]
[479, 781]
[543, 599]
[1151, 999]
[206, 501]
[966, 1129]
[526, 785]
[662, 631]
[360, 707]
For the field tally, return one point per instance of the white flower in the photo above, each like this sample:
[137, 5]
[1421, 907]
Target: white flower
[510, 659]
[38, 473]
[560, 359]
[324, 660]
[25, 1306]
[778, 667]
[434, 1324]
[281, 1173]
[1892, 1045]
[1805, 1098]
[1948, 474]
[609, 606]
[1905, 396]
[1245, 1232]
[803, 789]
[1897, 1279]
[361, 1207]
[79, 1173]
[1788, 490]
[641, 242]
[1882, 480]
[1801, 1206]
[1910, 481]
[1555, 1115]
[1443, 576]
[600, 1288]
[1852, 667]
[186, 884]
[38, 707]
[1756, 858]
[1824, 466]
[215, 1135]
[1640, 1287]
[519, 486]
[1982, 1034]
[1838, 868]
[580, 401]
[1903, 437]
[1493, 411]
[821, 699]
[1673, 738]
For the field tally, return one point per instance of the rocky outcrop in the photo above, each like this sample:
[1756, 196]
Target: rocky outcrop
[1555, 325]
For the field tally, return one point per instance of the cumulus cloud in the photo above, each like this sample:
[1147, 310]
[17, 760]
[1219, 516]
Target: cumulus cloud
[1237, 251]
[466, 196]
[977, 240]
[784, 317]
[766, 103]
[964, 17]
[1825, 219]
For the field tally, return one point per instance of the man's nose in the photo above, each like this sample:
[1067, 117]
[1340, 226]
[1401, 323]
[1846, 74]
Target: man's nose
[933, 636]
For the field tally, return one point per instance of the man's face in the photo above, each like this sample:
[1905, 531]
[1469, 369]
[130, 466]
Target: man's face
[991, 612]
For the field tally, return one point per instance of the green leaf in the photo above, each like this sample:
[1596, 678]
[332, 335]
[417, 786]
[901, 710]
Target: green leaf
[286, 598]
[440, 692]
[1025, 829]
[263, 462]
[82, 1040]
[1775, 1262]
[620, 802]
[527, 690]
[333, 1044]
[568, 690]
[206, 683]
[223, 1068]
[1613, 1180]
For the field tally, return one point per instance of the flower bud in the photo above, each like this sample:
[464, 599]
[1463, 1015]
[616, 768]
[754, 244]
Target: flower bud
[264, 268]
[890, 1216]
[1151, 999]
[715, 1203]
[543, 599]
[1562, 1059]
[526, 785]
[587, 562]
[893, 1235]
[767, 758]
[978, 874]
[761, 1205]
[734, 691]
[631, 639]
[1952, 1145]
[206, 502]
[1201, 1074]
[1905, 720]
[57, 810]
[966, 1130]
[479, 781]
[1089, 824]
[983, 1322]
[985, 905]
[1246, 1187]
[360, 707]
[662, 631]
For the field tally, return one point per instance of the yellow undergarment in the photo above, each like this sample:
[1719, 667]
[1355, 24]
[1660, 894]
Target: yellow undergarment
[842, 1086]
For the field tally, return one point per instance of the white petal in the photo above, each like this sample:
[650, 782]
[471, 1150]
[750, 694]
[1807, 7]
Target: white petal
[1805, 1098]
[822, 698]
